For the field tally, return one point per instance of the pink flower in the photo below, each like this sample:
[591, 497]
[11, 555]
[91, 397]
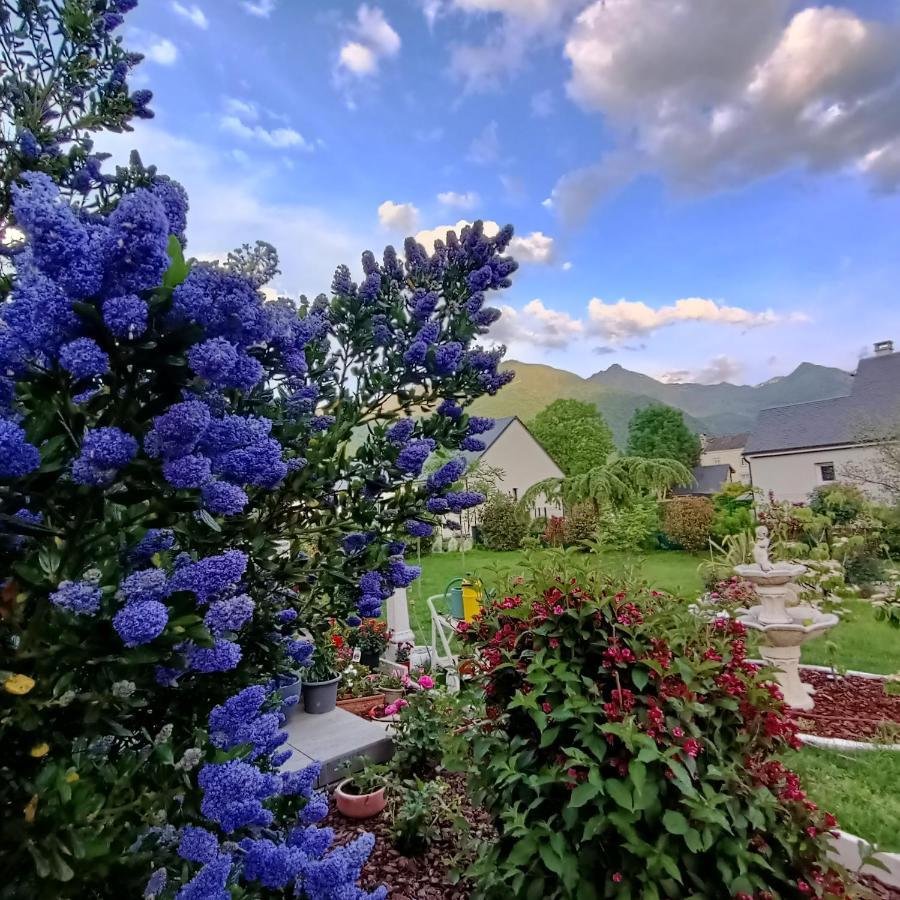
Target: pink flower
[427, 682]
[547, 708]
[617, 877]
[558, 610]
[677, 732]
[554, 643]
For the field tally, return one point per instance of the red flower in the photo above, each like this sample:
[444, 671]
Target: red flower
[617, 877]
[547, 708]
[337, 640]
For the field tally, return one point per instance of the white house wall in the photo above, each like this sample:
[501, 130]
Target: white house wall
[793, 476]
[524, 463]
[733, 458]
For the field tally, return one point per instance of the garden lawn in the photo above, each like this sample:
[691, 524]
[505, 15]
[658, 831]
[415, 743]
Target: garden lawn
[668, 570]
[861, 789]
[858, 642]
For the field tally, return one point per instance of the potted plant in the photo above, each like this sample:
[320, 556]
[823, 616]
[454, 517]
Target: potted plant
[361, 795]
[320, 681]
[391, 685]
[371, 638]
[288, 684]
[358, 689]
[404, 648]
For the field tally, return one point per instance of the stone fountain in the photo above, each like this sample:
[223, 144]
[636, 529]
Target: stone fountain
[784, 628]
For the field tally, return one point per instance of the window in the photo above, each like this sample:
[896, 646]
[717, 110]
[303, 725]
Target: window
[826, 471]
[716, 460]
[515, 493]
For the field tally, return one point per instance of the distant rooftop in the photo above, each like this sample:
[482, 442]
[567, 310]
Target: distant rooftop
[725, 441]
[708, 480]
[874, 397]
[488, 438]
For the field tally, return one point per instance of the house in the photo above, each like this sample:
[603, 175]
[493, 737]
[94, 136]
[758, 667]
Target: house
[794, 449]
[708, 480]
[726, 449]
[511, 448]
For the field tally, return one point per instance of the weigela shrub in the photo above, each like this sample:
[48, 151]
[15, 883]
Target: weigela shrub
[688, 521]
[503, 525]
[581, 524]
[630, 750]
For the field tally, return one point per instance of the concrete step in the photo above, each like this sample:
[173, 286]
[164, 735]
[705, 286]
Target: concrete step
[334, 739]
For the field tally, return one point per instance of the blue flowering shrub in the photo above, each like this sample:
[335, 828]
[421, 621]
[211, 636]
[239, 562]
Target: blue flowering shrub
[193, 479]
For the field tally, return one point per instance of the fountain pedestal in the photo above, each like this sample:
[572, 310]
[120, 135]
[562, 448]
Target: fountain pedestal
[784, 629]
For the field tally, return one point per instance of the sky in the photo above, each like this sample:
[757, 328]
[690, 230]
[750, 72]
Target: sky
[702, 190]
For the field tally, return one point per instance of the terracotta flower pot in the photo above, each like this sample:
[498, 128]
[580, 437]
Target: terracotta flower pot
[360, 705]
[358, 806]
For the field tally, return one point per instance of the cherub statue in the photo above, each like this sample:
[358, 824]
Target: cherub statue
[761, 549]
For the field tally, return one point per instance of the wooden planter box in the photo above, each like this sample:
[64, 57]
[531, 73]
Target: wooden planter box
[359, 706]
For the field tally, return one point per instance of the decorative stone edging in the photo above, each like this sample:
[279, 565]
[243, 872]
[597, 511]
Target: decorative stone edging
[848, 850]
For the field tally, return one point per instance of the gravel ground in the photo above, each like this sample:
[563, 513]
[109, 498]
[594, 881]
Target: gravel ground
[851, 707]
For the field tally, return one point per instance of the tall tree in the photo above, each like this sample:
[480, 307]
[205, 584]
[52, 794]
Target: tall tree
[660, 432]
[574, 434]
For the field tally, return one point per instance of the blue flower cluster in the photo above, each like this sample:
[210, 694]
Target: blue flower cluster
[18, 458]
[241, 720]
[79, 597]
[104, 452]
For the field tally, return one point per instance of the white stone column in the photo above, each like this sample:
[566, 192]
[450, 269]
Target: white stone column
[398, 622]
[786, 661]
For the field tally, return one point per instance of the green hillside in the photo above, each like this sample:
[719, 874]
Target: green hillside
[618, 392]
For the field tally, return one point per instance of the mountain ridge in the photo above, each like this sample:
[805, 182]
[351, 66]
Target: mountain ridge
[618, 392]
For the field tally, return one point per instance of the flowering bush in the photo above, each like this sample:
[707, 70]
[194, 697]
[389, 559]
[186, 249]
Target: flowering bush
[422, 734]
[180, 498]
[581, 524]
[503, 524]
[371, 636]
[688, 520]
[733, 594]
[629, 750]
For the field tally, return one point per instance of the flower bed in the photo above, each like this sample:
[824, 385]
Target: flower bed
[425, 877]
[851, 708]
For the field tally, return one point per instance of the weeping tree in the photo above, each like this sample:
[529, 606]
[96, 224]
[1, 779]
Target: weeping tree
[619, 482]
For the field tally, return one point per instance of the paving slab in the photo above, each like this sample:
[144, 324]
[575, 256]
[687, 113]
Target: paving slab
[334, 739]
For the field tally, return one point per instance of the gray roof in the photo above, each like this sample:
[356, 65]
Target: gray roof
[874, 398]
[725, 441]
[488, 438]
[708, 480]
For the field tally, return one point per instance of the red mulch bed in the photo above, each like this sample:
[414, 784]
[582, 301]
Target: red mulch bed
[878, 890]
[422, 877]
[847, 707]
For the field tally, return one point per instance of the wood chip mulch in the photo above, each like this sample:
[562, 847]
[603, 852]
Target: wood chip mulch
[849, 707]
[425, 877]
[878, 890]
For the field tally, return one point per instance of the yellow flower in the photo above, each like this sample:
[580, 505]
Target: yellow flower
[31, 810]
[39, 750]
[18, 684]
[72, 777]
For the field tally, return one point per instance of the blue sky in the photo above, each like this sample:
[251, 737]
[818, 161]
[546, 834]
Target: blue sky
[705, 190]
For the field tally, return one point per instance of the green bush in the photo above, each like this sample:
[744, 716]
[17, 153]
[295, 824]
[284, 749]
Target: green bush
[628, 528]
[630, 751]
[422, 734]
[842, 503]
[418, 812]
[581, 524]
[733, 510]
[503, 524]
[688, 520]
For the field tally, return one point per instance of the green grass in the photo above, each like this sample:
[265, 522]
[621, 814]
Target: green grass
[859, 642]
[861, 789]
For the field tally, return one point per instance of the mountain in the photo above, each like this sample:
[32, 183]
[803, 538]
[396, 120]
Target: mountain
[617, 392]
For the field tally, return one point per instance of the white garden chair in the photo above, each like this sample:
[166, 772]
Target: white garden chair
[442, 631]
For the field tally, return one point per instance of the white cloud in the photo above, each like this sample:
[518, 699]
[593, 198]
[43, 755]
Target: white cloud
[374, 39]
[280, 138]
[536, 325]
[358, 58]
[192, 13]
[712, 94]
[882, 165]
[156, 49]
[468, 200]
[432, 10]
[260, 8]
[485, 147]
[567, 266]
[627, 318]
[398, 216]
[241, 119]
[719, 369]
[536, 247]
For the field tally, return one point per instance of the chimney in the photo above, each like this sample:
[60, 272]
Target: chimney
[883, 348]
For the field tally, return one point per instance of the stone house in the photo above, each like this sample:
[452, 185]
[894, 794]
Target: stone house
[794, 449]
[726, 450]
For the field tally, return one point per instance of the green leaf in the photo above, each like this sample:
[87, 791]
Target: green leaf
[674, 822]
[621, 793]
[640, 677]
[582, 794]
[551, 859]
[178, 269]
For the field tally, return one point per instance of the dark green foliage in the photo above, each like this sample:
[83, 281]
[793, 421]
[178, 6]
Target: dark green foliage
[733, 510]
[659, 431]
[423, 734]
[629, 751]
[574, 434]
[503, 523]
